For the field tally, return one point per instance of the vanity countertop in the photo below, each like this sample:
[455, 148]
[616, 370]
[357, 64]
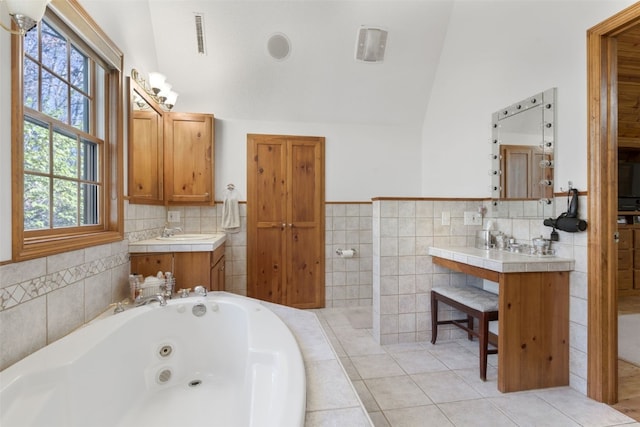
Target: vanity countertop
[204, 243]
[502, 261]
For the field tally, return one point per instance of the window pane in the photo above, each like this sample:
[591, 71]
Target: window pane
[31, 43]
[79, 70]
[89, 207]
[65, 155]
[54, 51]
[37, 205]
[30, 84]
[54, 97]
[89, 161]
[99, 102]
[65, 203]
[36, 147]
[79, 111]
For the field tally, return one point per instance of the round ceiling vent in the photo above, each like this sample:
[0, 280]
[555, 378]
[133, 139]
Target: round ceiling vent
[279, 46]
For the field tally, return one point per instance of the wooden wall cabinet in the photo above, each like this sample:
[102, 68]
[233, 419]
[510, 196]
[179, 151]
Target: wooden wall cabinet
[171, 155]
[188, 158]
[189, 268]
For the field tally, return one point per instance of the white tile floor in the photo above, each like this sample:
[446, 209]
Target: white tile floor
[420, 384]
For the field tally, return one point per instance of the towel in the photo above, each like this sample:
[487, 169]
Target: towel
[230, 212]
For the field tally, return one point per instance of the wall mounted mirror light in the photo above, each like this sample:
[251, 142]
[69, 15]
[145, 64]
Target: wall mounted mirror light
[25, 14]
[523, 145]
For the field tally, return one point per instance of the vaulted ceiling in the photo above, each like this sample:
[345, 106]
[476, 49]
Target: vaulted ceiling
[320, 81]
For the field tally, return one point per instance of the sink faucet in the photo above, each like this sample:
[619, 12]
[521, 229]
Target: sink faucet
[168, 231]
[153, 298]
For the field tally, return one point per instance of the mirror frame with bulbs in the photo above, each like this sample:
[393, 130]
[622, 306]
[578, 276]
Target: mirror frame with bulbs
[544, 149]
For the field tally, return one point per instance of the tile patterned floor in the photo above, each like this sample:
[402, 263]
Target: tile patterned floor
[419, 384]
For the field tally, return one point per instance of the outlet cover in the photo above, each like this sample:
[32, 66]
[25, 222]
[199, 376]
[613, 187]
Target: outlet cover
[446, 218]
[173, 216]
[472, 218]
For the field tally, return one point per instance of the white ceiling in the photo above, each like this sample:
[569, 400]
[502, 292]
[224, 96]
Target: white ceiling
[319, 82]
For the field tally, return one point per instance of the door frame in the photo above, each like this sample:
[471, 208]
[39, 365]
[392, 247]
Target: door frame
[602, 169]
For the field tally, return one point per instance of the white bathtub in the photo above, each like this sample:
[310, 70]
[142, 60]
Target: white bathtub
[236, 365]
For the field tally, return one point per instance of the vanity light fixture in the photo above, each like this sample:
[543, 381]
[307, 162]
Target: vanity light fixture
[25, 14]
[157, 87]
[156, 81]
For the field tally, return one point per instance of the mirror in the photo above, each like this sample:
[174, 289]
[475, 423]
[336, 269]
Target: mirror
[523, 150]
[145, 147]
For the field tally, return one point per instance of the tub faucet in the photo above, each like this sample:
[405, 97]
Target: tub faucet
[153, 298]
[200, 290]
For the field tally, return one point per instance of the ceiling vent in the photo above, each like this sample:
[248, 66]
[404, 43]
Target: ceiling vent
[371, 44]
[202, 46]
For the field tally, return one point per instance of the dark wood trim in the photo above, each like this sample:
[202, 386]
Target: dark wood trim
[602, 329]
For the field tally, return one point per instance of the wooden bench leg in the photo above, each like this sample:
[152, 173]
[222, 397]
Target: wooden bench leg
[483, 331]
[434, 318]
[470, 326]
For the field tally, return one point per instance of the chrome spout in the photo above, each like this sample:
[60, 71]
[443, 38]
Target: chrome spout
[153, 298]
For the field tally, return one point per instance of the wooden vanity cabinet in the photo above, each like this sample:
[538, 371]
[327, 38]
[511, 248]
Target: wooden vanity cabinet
[148, 264]
[533, 338]
[629, 260]
[189, 268]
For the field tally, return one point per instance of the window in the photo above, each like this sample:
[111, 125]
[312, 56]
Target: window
[67, 128]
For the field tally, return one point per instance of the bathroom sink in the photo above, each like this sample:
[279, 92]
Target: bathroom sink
[180, 237]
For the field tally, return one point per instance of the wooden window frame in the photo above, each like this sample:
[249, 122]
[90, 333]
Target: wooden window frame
[111, 229]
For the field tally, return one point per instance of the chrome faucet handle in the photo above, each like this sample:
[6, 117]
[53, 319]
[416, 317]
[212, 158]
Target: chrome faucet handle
[200, 290]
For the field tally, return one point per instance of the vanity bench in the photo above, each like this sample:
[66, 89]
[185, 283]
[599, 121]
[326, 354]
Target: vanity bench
[533, 302]
[476, 303]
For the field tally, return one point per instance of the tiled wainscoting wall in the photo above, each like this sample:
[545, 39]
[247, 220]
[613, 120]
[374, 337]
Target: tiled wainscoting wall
[403, 272]
[348, 281]
[44, 299]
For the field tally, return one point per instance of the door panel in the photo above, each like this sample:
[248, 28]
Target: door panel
[266, 216]
[305, 280]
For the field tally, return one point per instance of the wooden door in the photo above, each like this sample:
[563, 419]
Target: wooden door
[189, 158]
[522, 174]
[285, 219]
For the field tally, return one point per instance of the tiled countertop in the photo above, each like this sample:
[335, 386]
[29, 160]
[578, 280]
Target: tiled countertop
[206, 244]
[502, 261]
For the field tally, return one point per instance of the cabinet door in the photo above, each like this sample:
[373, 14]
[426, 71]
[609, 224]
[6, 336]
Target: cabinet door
[217, 276]
[217, 269]
[189, 158]
[149, 264]
[145, 158]
[625, 279]
[192, 269]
